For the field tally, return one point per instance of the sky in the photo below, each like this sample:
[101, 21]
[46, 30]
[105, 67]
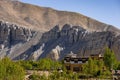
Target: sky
[107, 11]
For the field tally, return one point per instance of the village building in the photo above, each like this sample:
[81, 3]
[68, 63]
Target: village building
[73, 62]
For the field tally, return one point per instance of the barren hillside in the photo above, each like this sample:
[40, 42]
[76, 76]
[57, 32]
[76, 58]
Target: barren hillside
[32, 32]
[42, 18]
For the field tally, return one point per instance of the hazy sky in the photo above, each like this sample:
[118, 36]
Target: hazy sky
[107, 11]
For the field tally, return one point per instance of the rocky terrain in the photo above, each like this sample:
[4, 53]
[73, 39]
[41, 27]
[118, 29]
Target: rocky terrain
[20, 43]
[44, 19]
[29, 32]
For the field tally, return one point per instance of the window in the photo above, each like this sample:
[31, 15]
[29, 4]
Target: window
[68, 67]
[76, 69]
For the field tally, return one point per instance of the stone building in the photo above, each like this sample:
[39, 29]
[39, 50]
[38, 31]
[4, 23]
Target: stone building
[73, 62]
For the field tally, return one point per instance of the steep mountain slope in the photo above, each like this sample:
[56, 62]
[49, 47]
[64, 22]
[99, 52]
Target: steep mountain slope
[41, 18]
[21, 43]
[59, 43]
[28, 32]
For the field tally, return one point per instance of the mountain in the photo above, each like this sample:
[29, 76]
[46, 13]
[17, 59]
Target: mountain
[42, 18]
[32, 32]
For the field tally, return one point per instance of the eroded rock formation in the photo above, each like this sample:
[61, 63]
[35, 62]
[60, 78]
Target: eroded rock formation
[21, 43]
[11, 34]
[79, 41]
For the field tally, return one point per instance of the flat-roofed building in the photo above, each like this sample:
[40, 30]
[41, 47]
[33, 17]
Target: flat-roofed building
[96, 56]
[73, 62]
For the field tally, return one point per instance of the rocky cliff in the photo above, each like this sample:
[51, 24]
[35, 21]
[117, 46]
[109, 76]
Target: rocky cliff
[38, 38]
[12, 35]
[21, 43]
[58, 43]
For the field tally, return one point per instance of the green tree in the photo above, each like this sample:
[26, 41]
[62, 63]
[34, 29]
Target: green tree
[25, 64]
[45, 64]
[56, 65]
[109, 59]
[93, 67]
[9, 70]
[118, 67]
